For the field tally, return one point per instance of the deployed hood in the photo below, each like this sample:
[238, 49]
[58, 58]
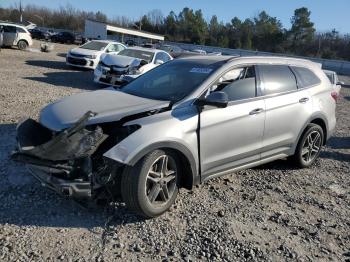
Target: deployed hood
[82, 51]
[109, 104]
[119, 60]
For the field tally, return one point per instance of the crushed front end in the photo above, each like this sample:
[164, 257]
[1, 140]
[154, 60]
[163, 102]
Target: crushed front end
[69, 162]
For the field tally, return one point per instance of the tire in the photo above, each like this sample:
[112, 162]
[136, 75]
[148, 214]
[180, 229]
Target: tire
[22, 45]
[140, 190]
[309, 146]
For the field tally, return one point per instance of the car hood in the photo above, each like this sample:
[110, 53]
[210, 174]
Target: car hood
[109, 104]
[119, 60]
[82, 51]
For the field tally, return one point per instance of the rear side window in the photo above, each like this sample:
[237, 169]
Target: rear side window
[20, 30]
[305, 77]
[330, 77]
[9, 29]
[277, 79]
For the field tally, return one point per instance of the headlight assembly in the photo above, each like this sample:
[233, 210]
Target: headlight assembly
[134, 71]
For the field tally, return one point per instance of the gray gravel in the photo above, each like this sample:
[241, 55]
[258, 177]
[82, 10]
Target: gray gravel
[272, 213]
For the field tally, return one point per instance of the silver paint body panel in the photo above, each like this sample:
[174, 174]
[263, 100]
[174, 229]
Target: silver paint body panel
[229, 138]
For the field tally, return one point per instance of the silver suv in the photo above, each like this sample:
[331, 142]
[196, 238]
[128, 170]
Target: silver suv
[179, 125]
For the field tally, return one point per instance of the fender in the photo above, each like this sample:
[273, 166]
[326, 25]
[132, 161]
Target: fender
[163, 144]
[314, 116]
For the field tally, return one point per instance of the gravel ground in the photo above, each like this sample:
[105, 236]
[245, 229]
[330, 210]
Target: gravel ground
[270, 213]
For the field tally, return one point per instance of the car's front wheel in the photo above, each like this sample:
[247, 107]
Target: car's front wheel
[150, 187]
[22, 45]
[309, 146]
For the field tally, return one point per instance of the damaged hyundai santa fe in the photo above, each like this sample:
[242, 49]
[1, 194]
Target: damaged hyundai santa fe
[177, 126]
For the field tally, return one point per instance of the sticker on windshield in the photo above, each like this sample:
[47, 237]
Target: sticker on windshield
[202, 70]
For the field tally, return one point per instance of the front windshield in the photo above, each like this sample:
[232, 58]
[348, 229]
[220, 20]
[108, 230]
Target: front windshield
[93, 45]
[173, 80]
[140, 54]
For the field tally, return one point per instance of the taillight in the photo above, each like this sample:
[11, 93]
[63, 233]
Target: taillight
[335, 95]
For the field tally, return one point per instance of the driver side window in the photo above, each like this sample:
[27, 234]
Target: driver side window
[238, 83]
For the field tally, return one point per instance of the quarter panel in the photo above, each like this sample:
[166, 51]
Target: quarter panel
[325, 106]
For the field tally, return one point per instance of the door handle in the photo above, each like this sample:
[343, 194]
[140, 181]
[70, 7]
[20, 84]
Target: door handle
[304, 100]
[256, 111]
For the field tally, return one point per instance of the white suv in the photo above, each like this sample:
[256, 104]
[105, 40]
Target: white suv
[15, 35]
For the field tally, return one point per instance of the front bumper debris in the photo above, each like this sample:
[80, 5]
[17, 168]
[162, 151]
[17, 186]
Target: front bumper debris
[61, 162]
[64, 187]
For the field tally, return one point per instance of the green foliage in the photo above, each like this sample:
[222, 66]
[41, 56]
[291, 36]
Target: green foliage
[302, 31]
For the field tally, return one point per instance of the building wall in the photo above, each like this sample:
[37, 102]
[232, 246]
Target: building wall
[95, 30]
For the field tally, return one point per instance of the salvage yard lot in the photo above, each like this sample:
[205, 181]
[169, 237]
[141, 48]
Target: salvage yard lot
[273, 212]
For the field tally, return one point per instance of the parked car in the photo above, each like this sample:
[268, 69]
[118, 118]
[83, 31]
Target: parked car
[130, 42]
[333, 77]
[128, 64]
[179, 125]
[173, 50]
[39, 34]
[88, 55]
[15, 35]
[63, 38]
[80, 39]
[149, 45]
[199, 51]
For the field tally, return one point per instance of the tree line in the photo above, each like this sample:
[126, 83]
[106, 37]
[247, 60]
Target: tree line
[262, 32]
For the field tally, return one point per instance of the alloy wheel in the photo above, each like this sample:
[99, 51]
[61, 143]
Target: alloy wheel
[161, 180]
[22, 45]
[311, 147]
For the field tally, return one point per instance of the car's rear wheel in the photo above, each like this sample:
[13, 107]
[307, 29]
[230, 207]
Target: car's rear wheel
[151, 186]
[22, 45]
[309, 146]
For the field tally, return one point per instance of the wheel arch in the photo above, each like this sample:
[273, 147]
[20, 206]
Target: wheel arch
[322, 123]
[190, 176]
[318, 119]
[24, 40]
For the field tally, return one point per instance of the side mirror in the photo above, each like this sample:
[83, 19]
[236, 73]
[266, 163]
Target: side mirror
[217, 99]
[159, 62]
[340, 83]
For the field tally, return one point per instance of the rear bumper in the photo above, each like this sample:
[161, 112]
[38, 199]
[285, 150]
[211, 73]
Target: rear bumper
[331, 128]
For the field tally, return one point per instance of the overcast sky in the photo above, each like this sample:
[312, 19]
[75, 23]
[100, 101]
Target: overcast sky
[325, 14]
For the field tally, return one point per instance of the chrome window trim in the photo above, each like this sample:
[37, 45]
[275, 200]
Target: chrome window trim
[259, 92]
